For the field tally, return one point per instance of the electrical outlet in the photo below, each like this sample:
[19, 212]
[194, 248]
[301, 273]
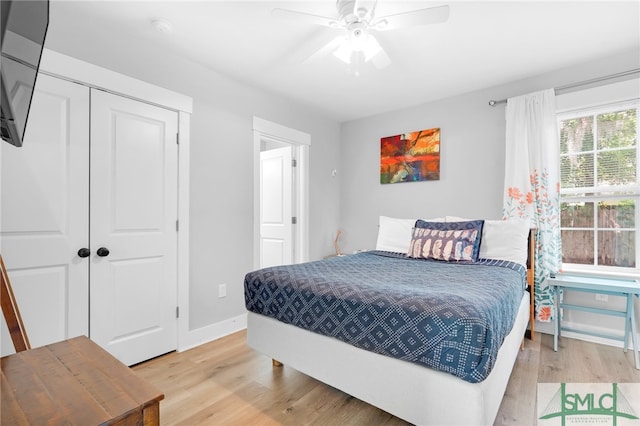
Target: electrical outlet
[602, 297]
[222, 290]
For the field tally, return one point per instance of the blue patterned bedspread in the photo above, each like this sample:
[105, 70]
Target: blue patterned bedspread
[452, 317]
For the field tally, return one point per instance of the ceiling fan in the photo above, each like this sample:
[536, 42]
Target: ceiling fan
[357, 19]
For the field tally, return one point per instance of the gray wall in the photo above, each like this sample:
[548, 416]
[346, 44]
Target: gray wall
[221, 238]
[221, 206]
[472, 155]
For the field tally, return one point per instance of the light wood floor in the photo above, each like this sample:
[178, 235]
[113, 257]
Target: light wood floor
[227, 383]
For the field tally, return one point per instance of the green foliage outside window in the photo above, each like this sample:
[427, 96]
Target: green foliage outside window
[598, 166]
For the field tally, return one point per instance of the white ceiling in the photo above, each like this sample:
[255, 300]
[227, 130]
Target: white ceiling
[481, 45]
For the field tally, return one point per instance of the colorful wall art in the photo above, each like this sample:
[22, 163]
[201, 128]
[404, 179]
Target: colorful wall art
[410, 157]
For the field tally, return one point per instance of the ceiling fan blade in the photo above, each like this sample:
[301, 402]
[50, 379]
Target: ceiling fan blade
[375, 53]
[325, 50]
[304, 18]
[432, 15]
[381, 60]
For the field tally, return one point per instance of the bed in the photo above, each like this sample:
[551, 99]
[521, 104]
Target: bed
[429, 334]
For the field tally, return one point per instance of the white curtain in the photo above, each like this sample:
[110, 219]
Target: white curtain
[532, 183]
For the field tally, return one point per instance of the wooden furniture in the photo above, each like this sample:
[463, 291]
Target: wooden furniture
[11, 312]
[74, 382]
[626, 288]
[531, 287]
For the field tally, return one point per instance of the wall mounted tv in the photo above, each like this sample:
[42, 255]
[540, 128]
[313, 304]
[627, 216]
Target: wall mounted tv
[23, 28]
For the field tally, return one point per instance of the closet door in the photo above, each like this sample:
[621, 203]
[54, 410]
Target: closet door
[133, 295]
[44, 213]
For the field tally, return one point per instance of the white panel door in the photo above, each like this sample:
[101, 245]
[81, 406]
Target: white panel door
[133, 286]
[276, 229]
[45, 217]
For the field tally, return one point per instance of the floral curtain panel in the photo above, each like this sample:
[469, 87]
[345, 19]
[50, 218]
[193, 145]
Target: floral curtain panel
[532, 184]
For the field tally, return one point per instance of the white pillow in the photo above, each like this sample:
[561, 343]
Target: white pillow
[503, 239]
[395, 234]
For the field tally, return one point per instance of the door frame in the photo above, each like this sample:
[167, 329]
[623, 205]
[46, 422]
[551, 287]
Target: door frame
[300, 142]
[67, 68]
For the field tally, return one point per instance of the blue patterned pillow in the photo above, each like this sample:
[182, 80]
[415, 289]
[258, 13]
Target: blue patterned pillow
[448, 241]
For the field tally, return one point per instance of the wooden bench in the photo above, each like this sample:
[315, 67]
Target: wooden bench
[73, 382]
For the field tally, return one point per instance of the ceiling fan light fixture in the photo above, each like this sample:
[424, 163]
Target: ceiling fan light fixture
[358, 37]
[371, 49]
[344, 51]
[365, 43]
[358, 19]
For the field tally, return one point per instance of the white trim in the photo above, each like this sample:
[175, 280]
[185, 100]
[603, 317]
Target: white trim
[302, 254]
[601, 270]
[300, 141]
[595, 339]
[602, 108]
[78, 71]
[280, 132]
[594, 101]
[596, 96]
[547, 328]
[184, 148]
[213, 332]
[75, 70]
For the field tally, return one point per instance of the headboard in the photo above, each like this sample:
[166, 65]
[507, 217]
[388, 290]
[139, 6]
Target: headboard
[530, 279]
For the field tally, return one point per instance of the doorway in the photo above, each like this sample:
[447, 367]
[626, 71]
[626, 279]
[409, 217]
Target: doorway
[280, 194]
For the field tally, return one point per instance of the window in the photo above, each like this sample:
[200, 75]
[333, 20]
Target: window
[599, 187]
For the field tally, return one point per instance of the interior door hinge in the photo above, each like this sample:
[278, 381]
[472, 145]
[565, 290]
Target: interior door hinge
[177, 311]
[178, 138]
[177, 225]
[294, 163]
[294, 220]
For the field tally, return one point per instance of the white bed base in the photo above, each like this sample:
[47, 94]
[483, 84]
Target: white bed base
[414, 393]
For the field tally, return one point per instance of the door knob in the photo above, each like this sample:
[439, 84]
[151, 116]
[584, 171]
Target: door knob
[102, 252]
[84, 252]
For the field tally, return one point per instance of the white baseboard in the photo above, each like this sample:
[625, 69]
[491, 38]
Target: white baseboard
[548, 328]
[212, 332]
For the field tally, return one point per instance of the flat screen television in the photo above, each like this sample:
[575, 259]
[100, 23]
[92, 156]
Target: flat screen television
[23, 29]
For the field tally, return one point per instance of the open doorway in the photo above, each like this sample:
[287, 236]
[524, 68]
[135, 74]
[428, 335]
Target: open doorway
[280, 194]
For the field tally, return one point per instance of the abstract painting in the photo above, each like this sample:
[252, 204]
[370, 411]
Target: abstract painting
[410, 157]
